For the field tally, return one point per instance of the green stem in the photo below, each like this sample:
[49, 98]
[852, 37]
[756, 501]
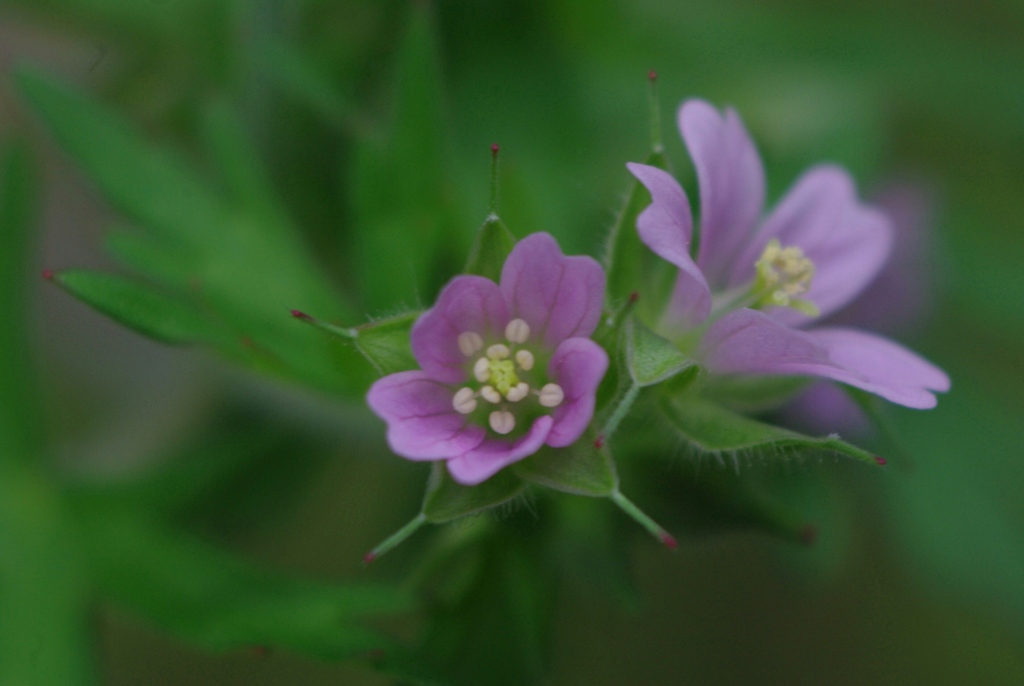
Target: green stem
[655, 105]
[628, 398]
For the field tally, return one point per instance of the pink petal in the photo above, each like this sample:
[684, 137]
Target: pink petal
[422, 424]
[751, 342]
[731, 180]
[577, 366]
[493, 455]
[666, 227]
[559, 297]
[467, 303]
[848, 241]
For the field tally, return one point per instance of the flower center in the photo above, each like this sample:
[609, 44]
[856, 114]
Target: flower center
[498, 370]
[783, 274]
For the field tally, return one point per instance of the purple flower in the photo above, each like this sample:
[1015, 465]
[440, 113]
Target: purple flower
[759, 279]
[505, 368]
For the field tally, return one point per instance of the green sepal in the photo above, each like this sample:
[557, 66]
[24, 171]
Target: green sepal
[717, 430]
[493, 244]
[650, 358]
[581, 468]
[447, 499]
[385, 343]
[143, 308]
[754, 393]
[630, 265]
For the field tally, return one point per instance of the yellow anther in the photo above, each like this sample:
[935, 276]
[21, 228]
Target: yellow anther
[502, 421]
[470, 342]
[498, 351]
[490, 394]
[482, 369]
[503, 375]
[464, 401]
[551, 395]
[517, 331]
[783, 274]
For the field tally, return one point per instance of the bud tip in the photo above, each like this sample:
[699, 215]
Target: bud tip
[369, 557]
[48, 274]
[881, 460]
[299, 314]
[652, 75]
[494, 149]
[599, 442]
[669, 541]
[633, 297]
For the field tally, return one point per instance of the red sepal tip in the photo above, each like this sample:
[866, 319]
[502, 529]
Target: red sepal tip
[299, 314]
[599, 442]
[369, 557]
[494, 149]
[634, 296]
[48, 274]
[652, 75]
[669, 541]
[881, 460]
[809, 534]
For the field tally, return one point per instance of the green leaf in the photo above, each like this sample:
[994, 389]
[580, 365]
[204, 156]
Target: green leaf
[496, 630]
[44, 587]
[402, 210]
[581, 468]
[385, 343]
[21, 431]
[493, 244]
[151, 185]
[630, 265]
[142, 308]
[650, 358]
[446, 499]
[297, 74]
[222, 602]
[714, 429]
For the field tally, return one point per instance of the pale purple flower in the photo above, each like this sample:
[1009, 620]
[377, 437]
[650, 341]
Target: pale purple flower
[758, 280]
[505, 368]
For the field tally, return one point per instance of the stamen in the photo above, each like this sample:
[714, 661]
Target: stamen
[551, 395]
[490, 394]
[464, 401]
[498, 351]
[782, 275]
[525, 359]
[482, 369]
[470, 342]
[517, 331]
[502, 421]
[518, 392]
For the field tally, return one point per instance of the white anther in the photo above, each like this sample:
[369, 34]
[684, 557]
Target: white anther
[470, 342]
[464, 401]
[482, 369]
[518, 392]
[517, 331]
[551, 395]
[490, 394]
[498, 351]
[525, 359]
[502, 421]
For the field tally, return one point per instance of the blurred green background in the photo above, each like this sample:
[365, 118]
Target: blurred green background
[917, 574]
